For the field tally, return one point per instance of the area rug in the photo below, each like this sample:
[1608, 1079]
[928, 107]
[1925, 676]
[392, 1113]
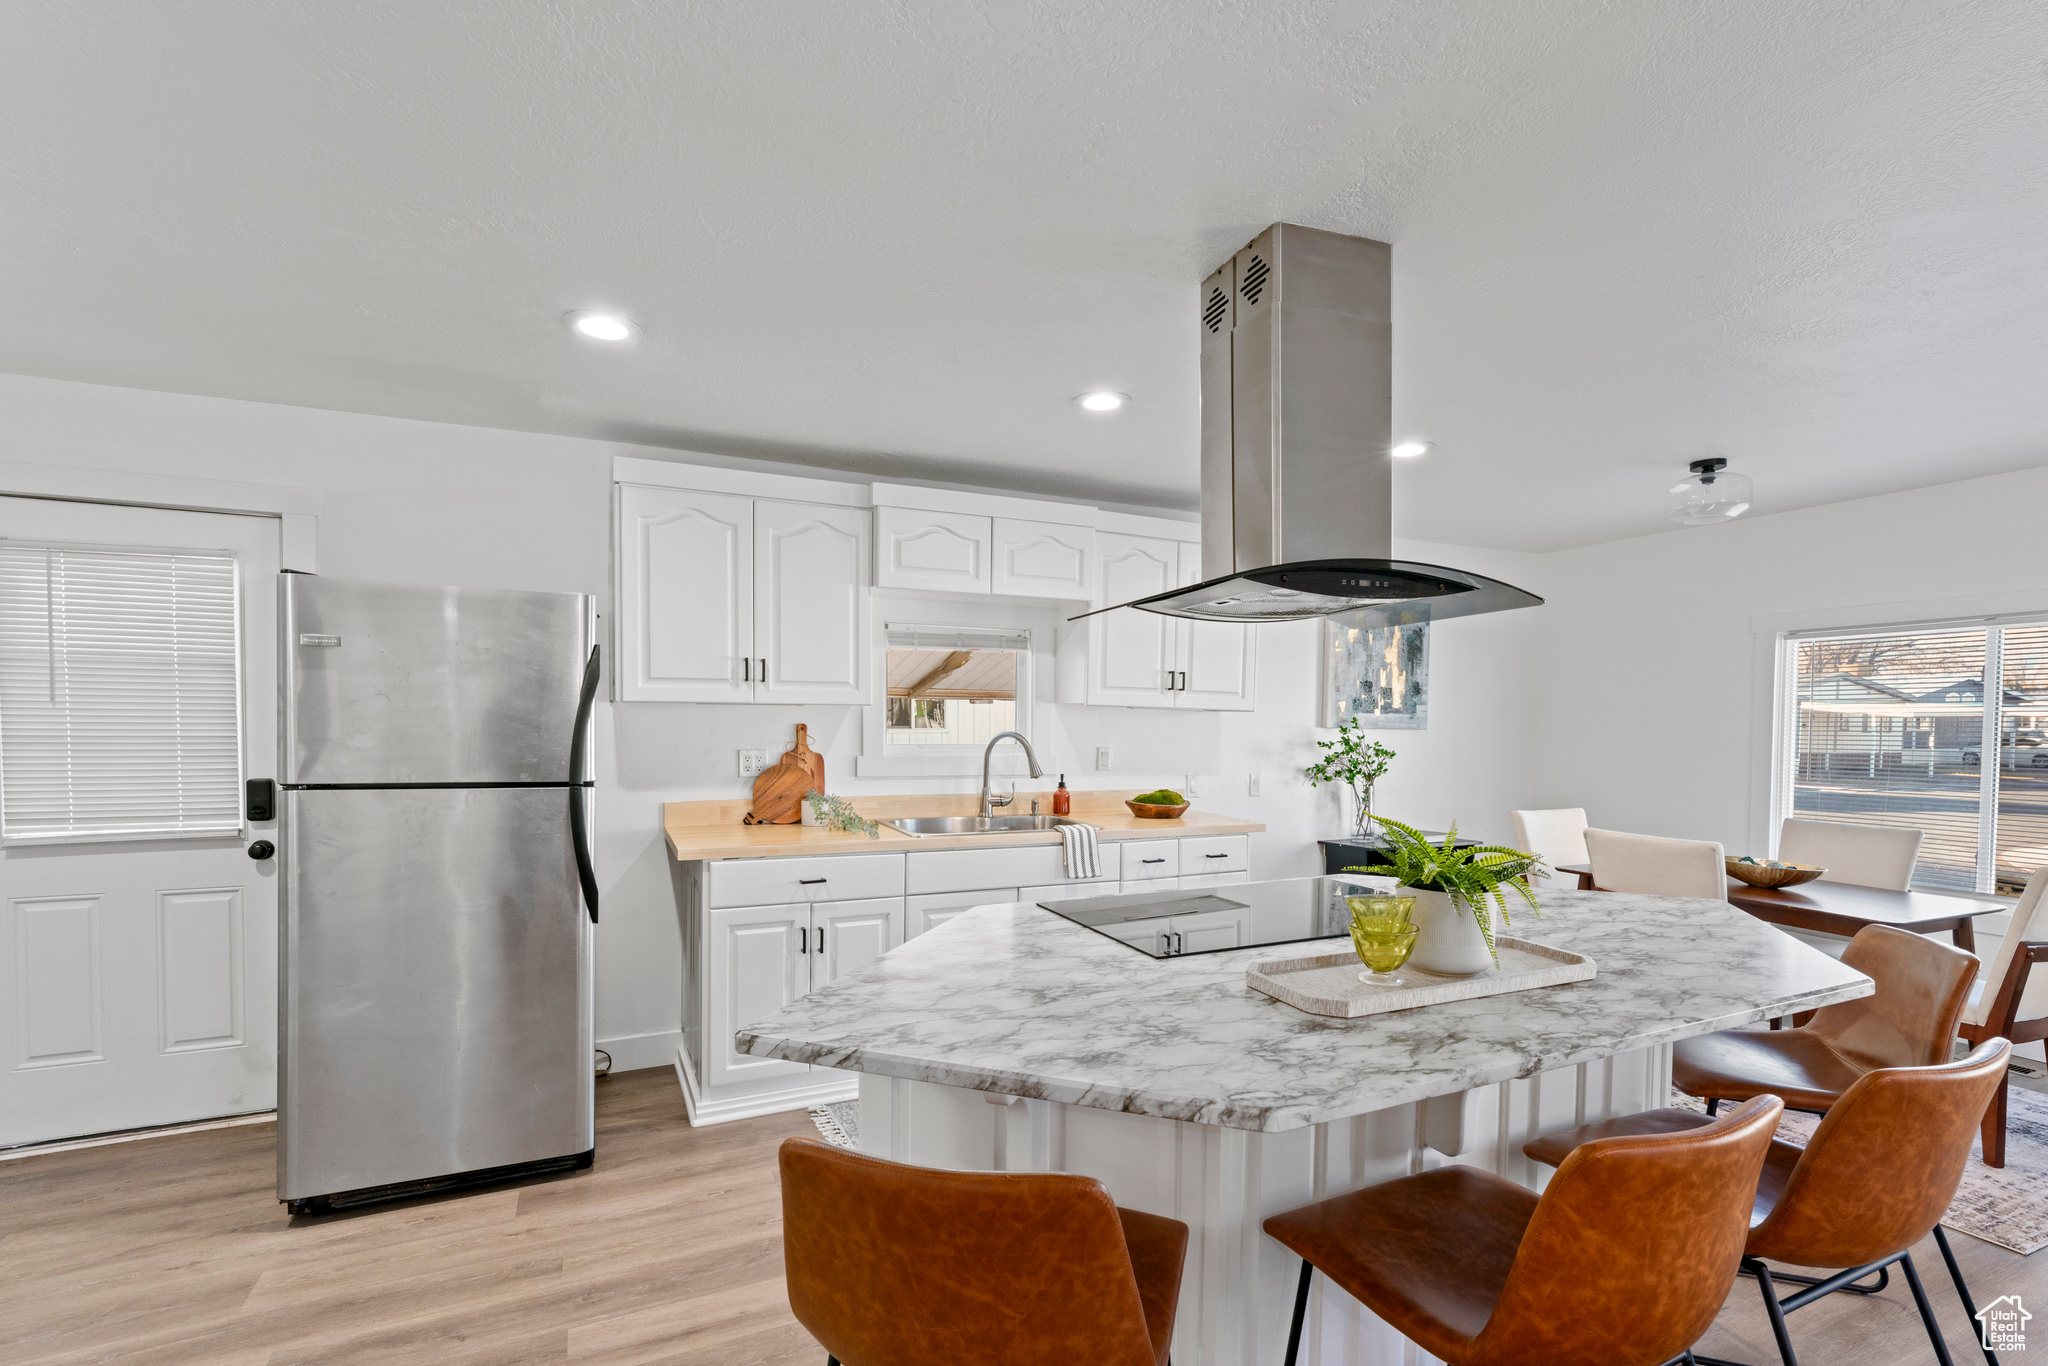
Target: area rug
[839, 1123]
[2006, 1206]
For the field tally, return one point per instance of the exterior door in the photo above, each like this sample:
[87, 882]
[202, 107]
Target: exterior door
[811, 610]
[760, 962]
[1129, 652]
[138, 955]
[686, 596]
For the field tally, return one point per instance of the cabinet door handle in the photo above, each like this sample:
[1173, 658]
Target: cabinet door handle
[803, 940]
[764, 668]
[1183, 680]
[1151, 860]
[1215, 856]
[746, 669]
[814, 881]
[1169, 680]
[821, 939]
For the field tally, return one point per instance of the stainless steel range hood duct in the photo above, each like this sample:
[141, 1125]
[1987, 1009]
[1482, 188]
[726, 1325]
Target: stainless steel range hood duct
[1297, 419]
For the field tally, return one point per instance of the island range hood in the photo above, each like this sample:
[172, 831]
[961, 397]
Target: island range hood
[1297, 419]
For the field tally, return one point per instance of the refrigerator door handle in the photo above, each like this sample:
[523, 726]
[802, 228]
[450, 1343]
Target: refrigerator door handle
[579, 818]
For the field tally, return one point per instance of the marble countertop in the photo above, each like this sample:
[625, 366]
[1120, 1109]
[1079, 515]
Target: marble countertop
[1015, 1000]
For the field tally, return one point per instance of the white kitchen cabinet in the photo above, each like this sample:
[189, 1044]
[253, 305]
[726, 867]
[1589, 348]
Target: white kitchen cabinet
[916, 548]
[1044, 559]
[1151, 859]
[759, 962]
[811, 602]
[925, 913]
[1214, 662]
[725, 598]
[686, 596]
[1141, 659]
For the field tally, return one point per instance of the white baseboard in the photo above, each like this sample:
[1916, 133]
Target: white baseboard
[632, 1052]
[799, 1096]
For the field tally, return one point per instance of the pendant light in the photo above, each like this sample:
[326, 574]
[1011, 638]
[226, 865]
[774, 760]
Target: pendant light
[1709, 494]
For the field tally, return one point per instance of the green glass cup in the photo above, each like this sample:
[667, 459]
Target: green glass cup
[1383, 937]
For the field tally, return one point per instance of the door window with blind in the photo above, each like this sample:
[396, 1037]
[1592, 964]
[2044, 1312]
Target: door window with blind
[1944, 729]
[953, 687]
[120, 705]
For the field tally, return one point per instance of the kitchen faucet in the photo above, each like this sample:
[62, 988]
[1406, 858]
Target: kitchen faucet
[988, 801]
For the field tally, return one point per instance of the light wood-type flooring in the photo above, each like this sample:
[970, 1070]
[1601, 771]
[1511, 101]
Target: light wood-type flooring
[174, 1250]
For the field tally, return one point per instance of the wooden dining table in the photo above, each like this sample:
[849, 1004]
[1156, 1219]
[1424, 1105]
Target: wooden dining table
[1844, 908]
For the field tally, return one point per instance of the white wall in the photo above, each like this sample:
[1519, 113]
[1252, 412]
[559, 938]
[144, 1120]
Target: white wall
[423, 502]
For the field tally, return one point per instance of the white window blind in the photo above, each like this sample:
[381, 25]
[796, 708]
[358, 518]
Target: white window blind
[1899, 728]
[119, 705]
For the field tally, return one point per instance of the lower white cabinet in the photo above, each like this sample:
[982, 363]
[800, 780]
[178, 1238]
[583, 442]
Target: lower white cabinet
[759, 933]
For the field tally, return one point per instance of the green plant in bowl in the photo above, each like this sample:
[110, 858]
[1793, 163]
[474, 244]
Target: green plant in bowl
[1479, 876]
[1163, 797]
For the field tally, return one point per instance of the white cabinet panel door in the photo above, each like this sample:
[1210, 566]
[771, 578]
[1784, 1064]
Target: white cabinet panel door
[686, 596]
[811, 611]
[919, 549]
[925, 913]
[759, 963]
[1130, 652]
[138, 977]
[1210, 930]
[847, 934]
[1043, 559]
[1215, 660]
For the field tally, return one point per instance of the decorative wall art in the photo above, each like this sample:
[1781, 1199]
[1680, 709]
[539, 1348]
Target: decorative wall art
[1379, 675]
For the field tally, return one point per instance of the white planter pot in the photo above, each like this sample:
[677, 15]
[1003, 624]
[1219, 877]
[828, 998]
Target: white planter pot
[1447, 937]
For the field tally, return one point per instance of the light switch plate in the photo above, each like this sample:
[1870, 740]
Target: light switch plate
[752, 761]
[1191, 787]
[1102, 756]
[1252, 786]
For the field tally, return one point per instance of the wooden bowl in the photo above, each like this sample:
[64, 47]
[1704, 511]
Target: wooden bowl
[1768, 875]
[1147, 811]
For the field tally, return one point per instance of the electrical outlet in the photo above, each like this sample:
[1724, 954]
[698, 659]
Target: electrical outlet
[1190, 788]
[752, 761]
[1102, 756]
[1252, 786]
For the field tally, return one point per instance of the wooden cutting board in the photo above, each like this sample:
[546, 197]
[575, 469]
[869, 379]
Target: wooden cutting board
[802, 749]
[779, 791]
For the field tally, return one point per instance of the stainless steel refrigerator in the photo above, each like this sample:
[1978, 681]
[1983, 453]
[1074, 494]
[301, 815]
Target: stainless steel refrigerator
[437, 892]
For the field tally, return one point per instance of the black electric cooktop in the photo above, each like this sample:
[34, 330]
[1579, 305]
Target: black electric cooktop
[1175, 922]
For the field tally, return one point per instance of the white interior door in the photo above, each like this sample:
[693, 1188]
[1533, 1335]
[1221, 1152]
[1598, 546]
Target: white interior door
[138, 939]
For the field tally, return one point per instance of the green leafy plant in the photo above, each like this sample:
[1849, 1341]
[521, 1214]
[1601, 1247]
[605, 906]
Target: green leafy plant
[838, 814]
[1163, 797]
[1350, 760]
[1479, 876]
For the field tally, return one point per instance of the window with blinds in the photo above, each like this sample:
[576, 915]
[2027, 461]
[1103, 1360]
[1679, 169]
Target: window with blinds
[1899, 728]
[120, 711]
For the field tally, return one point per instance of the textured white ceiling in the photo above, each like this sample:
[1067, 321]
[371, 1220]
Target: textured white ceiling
[900, 237]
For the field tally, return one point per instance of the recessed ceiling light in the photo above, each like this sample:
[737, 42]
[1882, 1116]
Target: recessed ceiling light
[601, 326]
[1103, 401]
[1408, 450]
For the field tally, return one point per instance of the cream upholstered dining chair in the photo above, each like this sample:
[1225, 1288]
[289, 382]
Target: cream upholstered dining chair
[2010, 1001]
[1657, 867]
[1557, 837]
[1866, 855]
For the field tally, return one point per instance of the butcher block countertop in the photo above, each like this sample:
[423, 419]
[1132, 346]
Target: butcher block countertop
[713, 830]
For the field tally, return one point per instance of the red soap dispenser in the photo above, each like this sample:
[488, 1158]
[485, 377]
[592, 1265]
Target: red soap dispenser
[1062, 800]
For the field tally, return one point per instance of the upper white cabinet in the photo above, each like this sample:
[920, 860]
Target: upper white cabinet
[915, 548]
[1044, 559]
[725, 598]
[1141, 659]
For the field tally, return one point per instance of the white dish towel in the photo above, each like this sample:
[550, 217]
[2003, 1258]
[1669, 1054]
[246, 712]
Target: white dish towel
[1083, 855]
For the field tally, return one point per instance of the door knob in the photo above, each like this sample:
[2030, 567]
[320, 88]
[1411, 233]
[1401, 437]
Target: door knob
[262, 849]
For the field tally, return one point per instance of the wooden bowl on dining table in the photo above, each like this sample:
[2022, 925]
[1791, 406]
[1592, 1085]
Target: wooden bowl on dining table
[1758, 874]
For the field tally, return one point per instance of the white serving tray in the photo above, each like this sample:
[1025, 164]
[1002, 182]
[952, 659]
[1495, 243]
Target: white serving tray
[1328, 983]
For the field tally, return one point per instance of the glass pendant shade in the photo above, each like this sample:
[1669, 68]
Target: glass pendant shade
[1708, 495]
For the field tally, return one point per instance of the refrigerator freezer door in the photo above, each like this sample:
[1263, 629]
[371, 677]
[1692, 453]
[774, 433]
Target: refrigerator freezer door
[436, 1015]
[388, 683]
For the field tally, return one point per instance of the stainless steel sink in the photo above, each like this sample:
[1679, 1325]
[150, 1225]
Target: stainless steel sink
[975, 825]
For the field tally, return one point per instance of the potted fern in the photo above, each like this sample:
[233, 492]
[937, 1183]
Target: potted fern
[1447, 882]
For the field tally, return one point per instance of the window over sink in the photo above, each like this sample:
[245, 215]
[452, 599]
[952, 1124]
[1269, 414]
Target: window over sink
[952, 686]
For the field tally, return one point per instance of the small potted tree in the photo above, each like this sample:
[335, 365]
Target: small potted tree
[1447, 882]
[1349, 760]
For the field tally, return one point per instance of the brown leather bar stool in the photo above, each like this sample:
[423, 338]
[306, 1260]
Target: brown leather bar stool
[894, 1265]
[1623, 1261]
[1907, 1022]
[1878, 1174]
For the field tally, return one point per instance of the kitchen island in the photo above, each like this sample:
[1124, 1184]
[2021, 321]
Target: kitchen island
[1011, 1039]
